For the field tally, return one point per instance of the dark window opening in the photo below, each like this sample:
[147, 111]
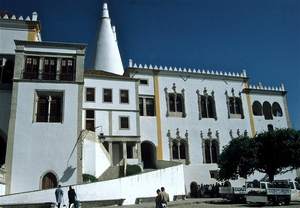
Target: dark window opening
[124, 97]
[67, 69]
[107, 95]
[90, 94]
[124, 121]
[31, 67]
[49, 72]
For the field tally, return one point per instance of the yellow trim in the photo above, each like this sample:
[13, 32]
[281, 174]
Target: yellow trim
[249, 108]
[158, 119]
[33, 29]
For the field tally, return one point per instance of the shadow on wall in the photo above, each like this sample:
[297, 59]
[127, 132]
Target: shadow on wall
[67, 174]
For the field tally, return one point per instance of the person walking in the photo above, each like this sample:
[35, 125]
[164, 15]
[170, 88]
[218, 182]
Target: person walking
[72, 196]
[59, 195]
[158, 199]
[164, 197]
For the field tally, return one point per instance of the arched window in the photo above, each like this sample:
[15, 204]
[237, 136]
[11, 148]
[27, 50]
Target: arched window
[231, 106]
[49, 181]
[175, 151]
[214, 154]
[210, 148]
[256, 108]
[182, 151]
[203, 108]
[178, 104]
[207, 152]
[179, 147]
[171, 103]
[210, 104]
[267, 111]
[276, 109]
[234, 105]
[175, 103]
[206, 105]
[270, 127]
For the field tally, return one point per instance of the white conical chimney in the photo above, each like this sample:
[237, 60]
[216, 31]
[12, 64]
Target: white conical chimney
[105, 53]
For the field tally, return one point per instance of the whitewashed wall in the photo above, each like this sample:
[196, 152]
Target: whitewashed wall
[129, 188]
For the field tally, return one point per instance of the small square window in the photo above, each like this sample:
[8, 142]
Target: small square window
[124, 96]
[90, 94]
[124, 122]
[107, 95]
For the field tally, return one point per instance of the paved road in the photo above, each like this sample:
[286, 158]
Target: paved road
[206, 203]
[224, 205]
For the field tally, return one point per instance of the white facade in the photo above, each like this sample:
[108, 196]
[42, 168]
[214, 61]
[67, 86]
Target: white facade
[146, 115]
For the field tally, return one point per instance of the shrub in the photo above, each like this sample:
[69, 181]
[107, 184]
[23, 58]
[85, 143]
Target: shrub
[89, 178]
[132, 170]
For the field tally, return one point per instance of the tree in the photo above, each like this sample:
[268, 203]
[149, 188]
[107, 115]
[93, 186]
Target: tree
[273, 152]
[277, 151]
[237, 158]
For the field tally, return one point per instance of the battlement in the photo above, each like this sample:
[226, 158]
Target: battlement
[7, 15]
[259, 86]
[189, 70]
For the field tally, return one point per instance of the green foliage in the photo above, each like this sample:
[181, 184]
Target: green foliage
[237, 158]
[132, 170]
[89, 178]
[271, 152]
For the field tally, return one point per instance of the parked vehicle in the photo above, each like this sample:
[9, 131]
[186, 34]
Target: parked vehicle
[277, 192]
[238, 194]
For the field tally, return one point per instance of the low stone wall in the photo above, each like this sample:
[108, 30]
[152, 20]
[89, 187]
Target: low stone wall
[128, 188]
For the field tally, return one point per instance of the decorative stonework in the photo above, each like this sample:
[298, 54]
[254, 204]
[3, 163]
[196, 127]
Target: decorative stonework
[176, 96]
[210, 146]
[234, 105]
[178, 141]
[206, 105]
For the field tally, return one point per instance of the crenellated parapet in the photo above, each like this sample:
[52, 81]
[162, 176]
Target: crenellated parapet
[7, 15]
[188, 70]
[259, 86]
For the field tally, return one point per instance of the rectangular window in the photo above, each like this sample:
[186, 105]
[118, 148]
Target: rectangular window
[107, 95]
[67, 69]
[49, 107]
[90, 94]
[149, 106]
[31, 67]
[143, 82]
[49, 72]
[124, 96]
[124, 122]
[146, 106]
[90, 120]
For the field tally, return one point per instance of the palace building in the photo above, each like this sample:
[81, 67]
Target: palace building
[60, 120]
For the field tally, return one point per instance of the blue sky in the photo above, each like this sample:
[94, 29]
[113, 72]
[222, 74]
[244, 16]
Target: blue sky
[262, 37]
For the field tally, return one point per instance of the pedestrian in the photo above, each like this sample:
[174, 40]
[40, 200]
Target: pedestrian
[158, 199]
[59, 195]
[164, 197]
[72, 196]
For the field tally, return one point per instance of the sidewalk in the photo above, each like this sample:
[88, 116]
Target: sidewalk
[174, 203]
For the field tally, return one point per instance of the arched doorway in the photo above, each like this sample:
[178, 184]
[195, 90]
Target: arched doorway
[148, 154]
[49, 181]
